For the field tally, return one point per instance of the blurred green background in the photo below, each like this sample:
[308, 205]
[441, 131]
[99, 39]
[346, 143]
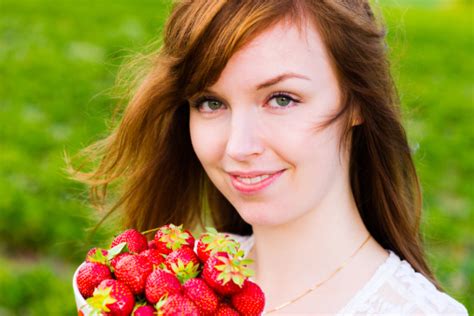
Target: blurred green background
[58, 62]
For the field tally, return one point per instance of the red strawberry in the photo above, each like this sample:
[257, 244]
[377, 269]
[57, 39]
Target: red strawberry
[133, 271]
[151, 244]
[250, 300]
[185, 254]
[154, 256]
[136, 242]
[144, 310]
[212, 242]
[90, 275]
[97, 255]
[226, 310]
[183, 263]
[112, 297]
[116, 259]
[177, 305]
[171, 237]
[159, 283]
[202, 295]
[226, 273]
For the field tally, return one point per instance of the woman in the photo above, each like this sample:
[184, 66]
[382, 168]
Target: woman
[278, 121]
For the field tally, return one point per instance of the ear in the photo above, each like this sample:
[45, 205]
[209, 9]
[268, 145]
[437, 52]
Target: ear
[356, 117]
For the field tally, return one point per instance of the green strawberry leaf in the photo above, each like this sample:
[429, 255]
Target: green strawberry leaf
[207, 239]
[162, 302]
[162, 266]
[246, 261]
[248, 272]
[116, 250]
[101, 299]
[211, 230]
[220, 267]
[98, 257]
[184, 235]
[239, 280]
[185, 272]
[220, 276]
[231, 247]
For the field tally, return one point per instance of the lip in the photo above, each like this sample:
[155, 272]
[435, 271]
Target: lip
[255, 187]
[250, 174]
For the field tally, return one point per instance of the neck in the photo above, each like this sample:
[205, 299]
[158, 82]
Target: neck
[317, 243]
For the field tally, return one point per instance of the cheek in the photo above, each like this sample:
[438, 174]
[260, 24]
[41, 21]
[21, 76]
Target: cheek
[322, 161]
[207, 139]
[314, 156]
[299, 140]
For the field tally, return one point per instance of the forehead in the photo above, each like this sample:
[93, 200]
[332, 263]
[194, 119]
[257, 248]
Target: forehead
[284, 47]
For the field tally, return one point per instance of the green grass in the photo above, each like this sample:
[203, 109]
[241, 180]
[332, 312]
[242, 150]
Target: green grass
[434, 66]
[58, 60]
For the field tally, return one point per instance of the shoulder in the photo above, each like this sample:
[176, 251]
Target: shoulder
[419, 293]
[398, 289]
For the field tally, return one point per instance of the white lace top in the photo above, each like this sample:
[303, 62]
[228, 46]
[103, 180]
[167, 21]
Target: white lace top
[394, 289]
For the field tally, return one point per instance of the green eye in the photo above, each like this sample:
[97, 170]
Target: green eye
[207, 105]
[213, 104]
[282, 100]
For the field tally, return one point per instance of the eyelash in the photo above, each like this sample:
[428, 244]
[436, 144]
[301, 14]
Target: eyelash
[199, 101]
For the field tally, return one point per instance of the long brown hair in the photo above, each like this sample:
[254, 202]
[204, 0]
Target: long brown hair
[149, 155]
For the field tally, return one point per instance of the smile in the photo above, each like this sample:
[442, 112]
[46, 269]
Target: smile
[253, 184]
[253, 180]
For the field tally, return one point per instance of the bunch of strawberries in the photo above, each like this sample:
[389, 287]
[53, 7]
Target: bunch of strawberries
[165, 276]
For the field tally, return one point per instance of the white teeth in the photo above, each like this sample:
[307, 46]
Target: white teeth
[253, 180]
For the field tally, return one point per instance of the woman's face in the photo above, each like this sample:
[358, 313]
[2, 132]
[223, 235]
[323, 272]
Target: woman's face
[255, 131]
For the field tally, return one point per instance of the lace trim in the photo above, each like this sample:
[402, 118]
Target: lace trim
[383, 272]
[418, 294]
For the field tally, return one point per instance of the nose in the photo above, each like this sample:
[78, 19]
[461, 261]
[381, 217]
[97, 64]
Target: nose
[244, 139]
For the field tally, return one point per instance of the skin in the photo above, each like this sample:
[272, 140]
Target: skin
[307, 218]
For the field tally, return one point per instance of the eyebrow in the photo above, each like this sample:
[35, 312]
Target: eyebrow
[280, 78]
[270, 82]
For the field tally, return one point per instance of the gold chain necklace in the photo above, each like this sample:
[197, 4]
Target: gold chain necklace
[317, 285]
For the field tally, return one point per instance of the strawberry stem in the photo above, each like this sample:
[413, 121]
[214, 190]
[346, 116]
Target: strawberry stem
[150, 230]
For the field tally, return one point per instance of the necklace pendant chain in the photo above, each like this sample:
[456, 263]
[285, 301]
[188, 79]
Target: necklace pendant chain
[319, 284]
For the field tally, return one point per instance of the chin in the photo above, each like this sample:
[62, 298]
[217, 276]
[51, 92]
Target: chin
[262, 218]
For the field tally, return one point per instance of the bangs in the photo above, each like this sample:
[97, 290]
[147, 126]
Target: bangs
[212, 34]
